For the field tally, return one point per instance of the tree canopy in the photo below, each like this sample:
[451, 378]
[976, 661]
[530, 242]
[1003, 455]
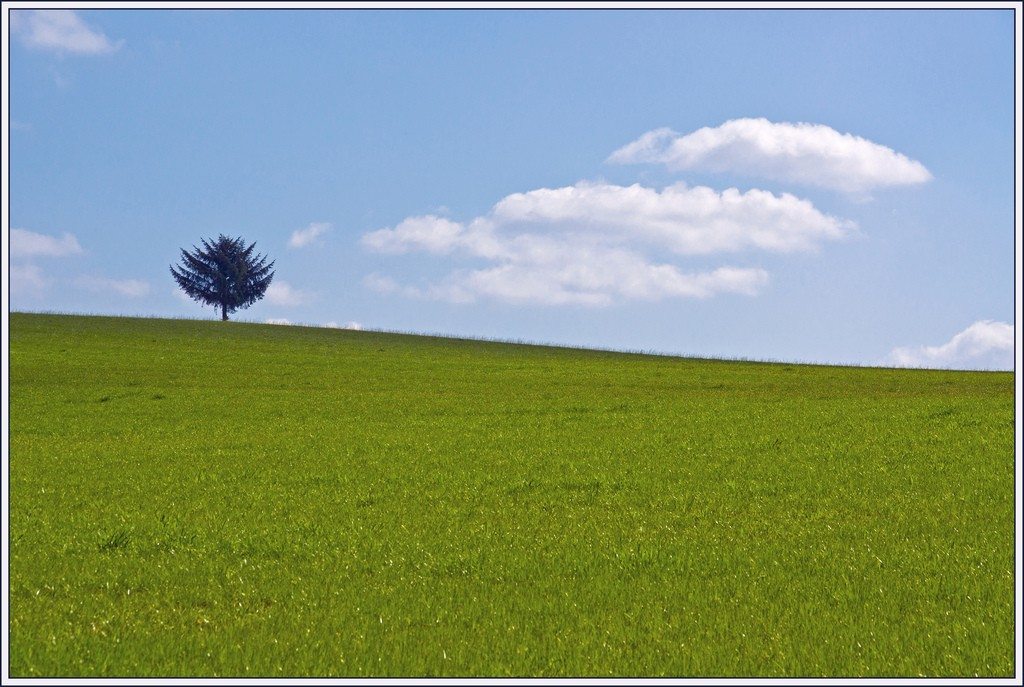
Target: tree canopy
[224, 273]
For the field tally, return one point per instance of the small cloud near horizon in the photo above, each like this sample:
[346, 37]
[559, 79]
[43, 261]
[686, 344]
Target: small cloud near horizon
[985, 345]
[348, 325]
[133, 288]
[27, 280]
[26, 277]
[282, 293]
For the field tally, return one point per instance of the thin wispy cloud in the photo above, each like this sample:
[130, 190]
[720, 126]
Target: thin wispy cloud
[805, 154]
[27, 280]
[986, 344]
[352, 324]
[61, 32]
[282, 293]
[131, 288]
[301, 238]
[30, 244]
[27, 277]
[181, 295]
[591, 243]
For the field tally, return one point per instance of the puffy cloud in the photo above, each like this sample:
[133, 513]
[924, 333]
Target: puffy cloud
[276, 320]
[984, 345]
[282, 293]
[686, 220]
[133, 288]
[429, 232]
[29, 244]
[808, 154]
[303, 237]
[587, 243]
[60, 31]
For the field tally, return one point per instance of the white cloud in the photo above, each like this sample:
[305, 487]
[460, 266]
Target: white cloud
[348, 325]
[276, 320]
[587, 244]
[685, 220]
[133, 288]
[60, 31]
[984, 345]
[429, 232]
[303, 237]
[29, 244]
[283, 293]
[597, 279]
[809, 154]
[27, 280]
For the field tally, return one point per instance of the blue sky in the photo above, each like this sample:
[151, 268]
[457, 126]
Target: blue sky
[461, 167]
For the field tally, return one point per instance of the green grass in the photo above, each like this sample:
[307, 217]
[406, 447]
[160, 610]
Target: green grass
[207, 498]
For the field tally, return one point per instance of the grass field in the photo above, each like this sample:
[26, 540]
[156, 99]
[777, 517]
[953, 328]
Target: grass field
[207, 498]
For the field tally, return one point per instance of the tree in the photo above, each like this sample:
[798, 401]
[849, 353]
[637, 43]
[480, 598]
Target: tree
[223, 274]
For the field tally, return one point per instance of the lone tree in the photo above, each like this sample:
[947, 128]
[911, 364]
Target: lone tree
[223, 274]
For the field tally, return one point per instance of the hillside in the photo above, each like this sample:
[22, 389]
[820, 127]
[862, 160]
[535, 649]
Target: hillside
[207, 498]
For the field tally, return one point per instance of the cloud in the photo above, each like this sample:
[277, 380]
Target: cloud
[60, 31]
[348, 325]
[29, 244]
[984, 345]
[808, 154]
[133, 288]
[429, 232]
[283, 293]
[276, 320]
[685, 220]
[589, 243]
[27, 280]
[303, 237]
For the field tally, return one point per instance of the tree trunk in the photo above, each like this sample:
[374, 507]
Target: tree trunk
[224, 312]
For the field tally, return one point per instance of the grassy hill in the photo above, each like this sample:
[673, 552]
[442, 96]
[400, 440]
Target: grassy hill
[207, 498]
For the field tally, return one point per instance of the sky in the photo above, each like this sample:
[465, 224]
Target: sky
[824, 186]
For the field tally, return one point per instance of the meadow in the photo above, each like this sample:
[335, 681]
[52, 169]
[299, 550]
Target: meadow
[198, 498]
